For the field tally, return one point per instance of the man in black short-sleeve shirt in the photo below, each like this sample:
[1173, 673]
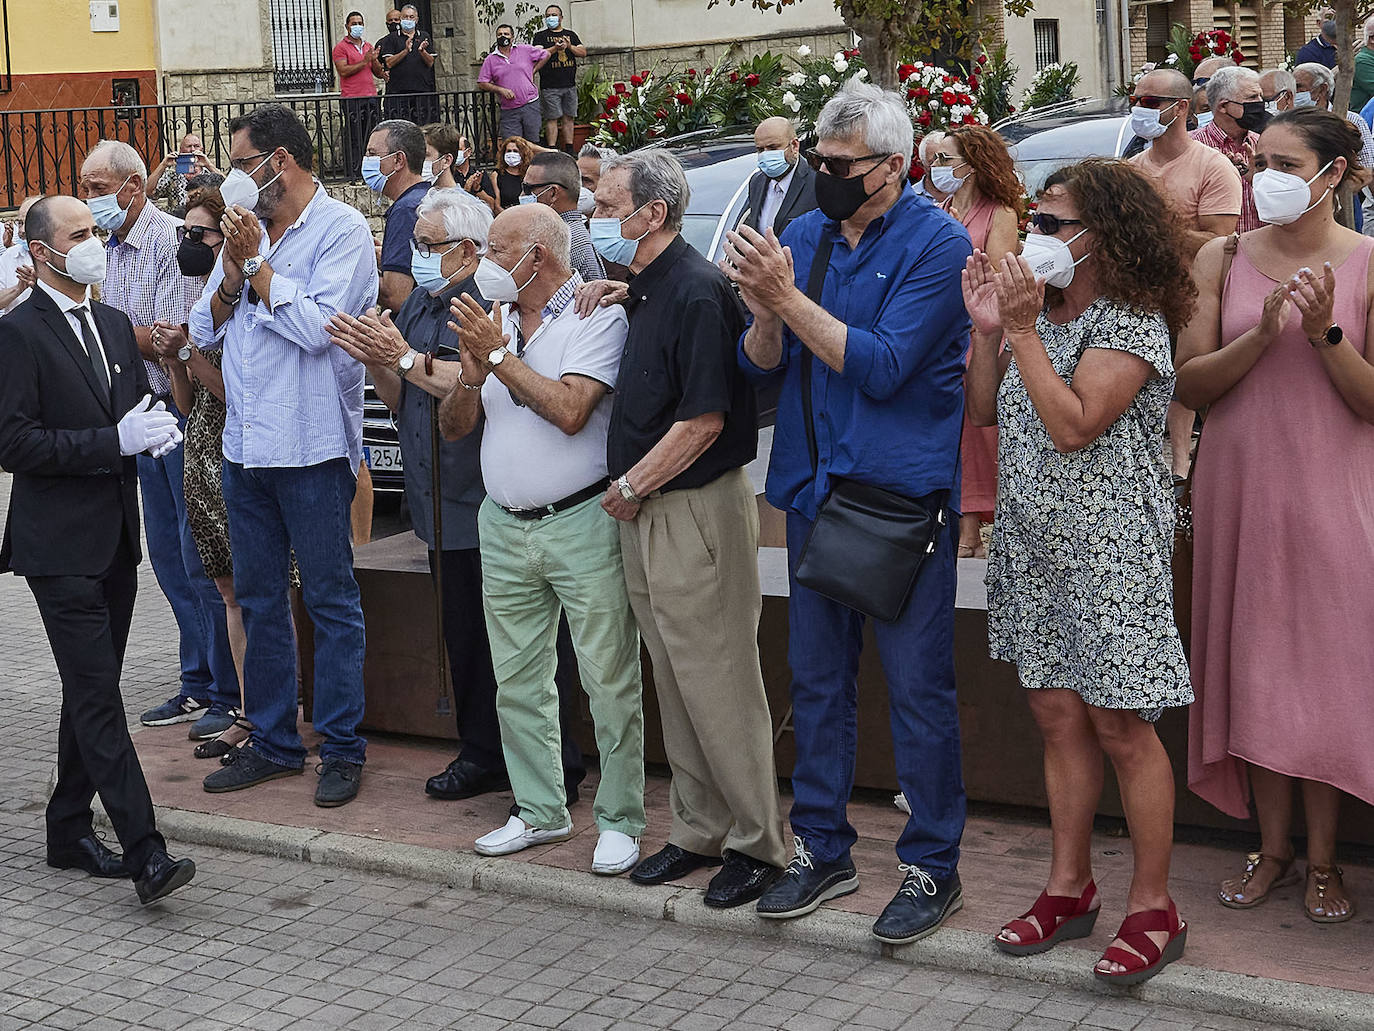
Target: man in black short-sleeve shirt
[558, 77]
[407, 54]
[683, 427]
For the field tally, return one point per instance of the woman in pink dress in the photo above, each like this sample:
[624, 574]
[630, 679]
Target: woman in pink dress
[972, 167]
[1283, 514]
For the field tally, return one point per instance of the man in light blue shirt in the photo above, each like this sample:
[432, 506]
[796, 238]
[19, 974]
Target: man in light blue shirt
[292, 259]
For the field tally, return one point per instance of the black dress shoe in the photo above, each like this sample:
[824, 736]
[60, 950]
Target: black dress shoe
[89, 854]
[465, 779]
[919, 908]
[742, 880]
[162, 875]
[805, 884]
[670, 863]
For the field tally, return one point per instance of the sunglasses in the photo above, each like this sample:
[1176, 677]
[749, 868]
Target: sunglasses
[838, 166]
[1050, 224]
[1155, 103]
[535, 188]
[196, 234]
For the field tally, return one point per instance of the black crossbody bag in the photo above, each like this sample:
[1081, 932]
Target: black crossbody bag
[867, 544]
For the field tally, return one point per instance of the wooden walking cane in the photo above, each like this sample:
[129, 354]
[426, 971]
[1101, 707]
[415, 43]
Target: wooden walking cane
[446, 704]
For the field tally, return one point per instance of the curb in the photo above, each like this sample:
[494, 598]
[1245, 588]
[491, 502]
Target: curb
[1267, 1001]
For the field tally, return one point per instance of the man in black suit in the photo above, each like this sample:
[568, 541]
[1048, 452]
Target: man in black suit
[70, 423]
[784, 186]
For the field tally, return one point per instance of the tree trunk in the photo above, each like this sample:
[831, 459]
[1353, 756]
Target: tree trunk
[1340, 102]
[879, 38]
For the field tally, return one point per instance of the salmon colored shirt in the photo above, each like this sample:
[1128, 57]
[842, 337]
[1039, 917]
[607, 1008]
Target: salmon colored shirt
[360, 83]
[1200, 182]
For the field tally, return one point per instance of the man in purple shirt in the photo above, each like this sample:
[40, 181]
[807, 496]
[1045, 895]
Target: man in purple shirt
[508, 71]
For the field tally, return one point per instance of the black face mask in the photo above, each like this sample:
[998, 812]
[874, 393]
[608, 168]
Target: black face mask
[504, 41]
[1254, 117]
[840, 198]
[196, 258]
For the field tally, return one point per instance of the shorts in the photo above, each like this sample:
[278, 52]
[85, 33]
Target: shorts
[558, 103]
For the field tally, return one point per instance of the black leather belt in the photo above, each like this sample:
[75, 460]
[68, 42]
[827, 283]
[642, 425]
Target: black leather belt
[562, 505]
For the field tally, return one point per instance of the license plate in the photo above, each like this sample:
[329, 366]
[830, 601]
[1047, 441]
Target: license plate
[383, 457]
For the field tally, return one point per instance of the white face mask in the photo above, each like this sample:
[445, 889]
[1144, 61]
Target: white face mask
[85, 262]
[1050, 258]
[586, 202]
[240, 188]
[1145, 123]
[1302, 99]
[511, 158]
[1281, 198]
[944, 179]
[497, 283]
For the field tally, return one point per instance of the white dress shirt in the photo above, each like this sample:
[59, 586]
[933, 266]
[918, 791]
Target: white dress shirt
[10, 260]
[773, 194]
[68, 308]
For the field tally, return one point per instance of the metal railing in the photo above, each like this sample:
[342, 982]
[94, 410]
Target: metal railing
[42, 151]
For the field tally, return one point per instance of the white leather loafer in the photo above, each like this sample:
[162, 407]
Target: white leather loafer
[615, 853]
[517, 835]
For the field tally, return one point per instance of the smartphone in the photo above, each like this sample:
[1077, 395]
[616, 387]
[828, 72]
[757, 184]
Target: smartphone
[186, 163]
[446, 351]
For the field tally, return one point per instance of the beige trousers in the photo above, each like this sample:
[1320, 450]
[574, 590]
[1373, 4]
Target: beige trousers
[691, 566]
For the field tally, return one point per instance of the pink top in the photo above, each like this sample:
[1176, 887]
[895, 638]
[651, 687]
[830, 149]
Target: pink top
[359, 84]
[979, 447]
[1283, 563]
[515, 73]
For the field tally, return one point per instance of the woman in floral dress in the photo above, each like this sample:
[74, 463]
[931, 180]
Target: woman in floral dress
[1079, 582]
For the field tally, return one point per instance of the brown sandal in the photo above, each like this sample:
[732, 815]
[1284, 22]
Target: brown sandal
[1232, 893]
[1324, 885]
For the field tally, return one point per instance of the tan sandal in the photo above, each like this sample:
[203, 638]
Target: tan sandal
[1233, 894]
[1324, 886]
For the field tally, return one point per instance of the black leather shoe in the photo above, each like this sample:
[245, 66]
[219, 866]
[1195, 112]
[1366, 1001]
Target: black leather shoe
[88, 854]
[920, 906]
[162, 875]
[670, 863]
[465, 779]
[805, 884]
[742, 880]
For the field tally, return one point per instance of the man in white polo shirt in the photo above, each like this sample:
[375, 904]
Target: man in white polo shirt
[542, 378]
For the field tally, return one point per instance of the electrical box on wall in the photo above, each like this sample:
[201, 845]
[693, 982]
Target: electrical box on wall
[104, 15]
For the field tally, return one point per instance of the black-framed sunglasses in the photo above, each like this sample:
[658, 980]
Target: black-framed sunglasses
[243, 163]
[424, 250]
[530, 189]
[1050, 224]
[196, 234]
[838, 166]
[1155, 103]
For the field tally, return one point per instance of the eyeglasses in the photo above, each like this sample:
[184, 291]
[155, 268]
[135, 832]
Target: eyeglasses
[1154, 103]
[424, 250]
[838, 166]
[534, 188]
[196, 234]
[242, 163]
[947, 159]
[1050, 224]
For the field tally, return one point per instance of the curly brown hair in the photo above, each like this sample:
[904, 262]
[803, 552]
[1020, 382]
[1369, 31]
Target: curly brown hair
[206, 197]
[1138, 243]
[994, 174]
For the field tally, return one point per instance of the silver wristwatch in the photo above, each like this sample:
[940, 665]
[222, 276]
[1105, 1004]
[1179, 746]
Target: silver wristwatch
[184, 352]
[626, 491]
[407, 362]
[251, 266]
[496, 357]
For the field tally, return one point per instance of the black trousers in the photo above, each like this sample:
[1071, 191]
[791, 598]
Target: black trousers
[474, 683]
[87, 621]
[360, 116]
[420, 108]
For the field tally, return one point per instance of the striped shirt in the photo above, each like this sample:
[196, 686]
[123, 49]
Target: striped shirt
[144, 281]
[293, 399]
[1212, 135]
[584, 257]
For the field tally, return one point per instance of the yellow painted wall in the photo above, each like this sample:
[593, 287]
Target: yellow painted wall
[48, 36]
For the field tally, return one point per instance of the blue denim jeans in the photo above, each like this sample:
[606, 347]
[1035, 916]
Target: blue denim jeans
[273, 512]
[917, 653]
[207, 664]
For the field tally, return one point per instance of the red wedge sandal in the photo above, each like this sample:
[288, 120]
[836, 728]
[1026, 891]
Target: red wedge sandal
[1134, 931]
[1059, 918]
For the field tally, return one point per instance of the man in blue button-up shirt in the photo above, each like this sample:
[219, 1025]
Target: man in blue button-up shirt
[292, 441]
[887, 341]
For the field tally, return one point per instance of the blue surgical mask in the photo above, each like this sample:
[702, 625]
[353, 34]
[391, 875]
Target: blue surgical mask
[356, 31]
[608, 241]
[407, 24]
[1302, 99]
[774, 163]
[428, 271]
[552, 21]
[372, 173]
[106, 212]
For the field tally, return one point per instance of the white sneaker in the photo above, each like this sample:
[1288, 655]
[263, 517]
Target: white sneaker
[517, 835]
[615, 853]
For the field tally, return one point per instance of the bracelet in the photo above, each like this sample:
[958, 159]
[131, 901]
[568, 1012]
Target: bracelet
[229, 300]
[429, 363]
[465, 384]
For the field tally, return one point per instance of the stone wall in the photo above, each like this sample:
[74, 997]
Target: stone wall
[212, 86]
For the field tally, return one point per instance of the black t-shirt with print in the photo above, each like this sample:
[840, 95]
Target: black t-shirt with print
[560, 71]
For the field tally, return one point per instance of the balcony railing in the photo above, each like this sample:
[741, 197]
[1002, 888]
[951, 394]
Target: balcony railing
[42, 151]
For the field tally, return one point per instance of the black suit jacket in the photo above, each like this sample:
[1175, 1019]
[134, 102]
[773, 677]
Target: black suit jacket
[73, 497]
[799, 199]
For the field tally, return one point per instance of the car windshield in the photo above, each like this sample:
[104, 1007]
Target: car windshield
[699, 231]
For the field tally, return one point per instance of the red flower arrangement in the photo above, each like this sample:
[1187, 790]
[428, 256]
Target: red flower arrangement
[1215, 43]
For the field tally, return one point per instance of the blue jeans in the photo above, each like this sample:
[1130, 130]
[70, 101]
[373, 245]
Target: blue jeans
[271, 513]
[917, 653]
[207, 664]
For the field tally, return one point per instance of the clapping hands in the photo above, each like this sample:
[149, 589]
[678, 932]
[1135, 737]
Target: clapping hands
[1001, 298]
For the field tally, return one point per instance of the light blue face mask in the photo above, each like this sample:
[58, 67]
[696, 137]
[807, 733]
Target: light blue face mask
[1302, 99]
[428, 271]
[372, 173]
[407, 24]
[774, 163]
[356, 31]
[608, 241]
[552, 21]
[106, 212]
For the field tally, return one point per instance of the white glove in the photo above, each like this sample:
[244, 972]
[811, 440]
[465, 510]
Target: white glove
[167, 446]
[146, 426]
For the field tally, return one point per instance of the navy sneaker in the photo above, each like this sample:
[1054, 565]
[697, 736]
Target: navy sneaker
[174, 710]
[805, 884]
[216, 720]
[244, 768]
[338, 782]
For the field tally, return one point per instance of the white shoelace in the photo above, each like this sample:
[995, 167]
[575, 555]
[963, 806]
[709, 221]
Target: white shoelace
[915, 877]
[802, 860]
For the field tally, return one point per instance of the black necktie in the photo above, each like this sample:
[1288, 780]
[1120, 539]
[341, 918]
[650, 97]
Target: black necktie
[102, 376]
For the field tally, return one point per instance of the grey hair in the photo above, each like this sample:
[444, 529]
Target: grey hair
[118, 157]
[411, 7]
[1368, 25]
[1283, 80]
[591, 150]
[548, 229]
[879, 115]
[1321, 76]
[928, 141]
[464, 216]
[654, 175]
[1227, 81]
